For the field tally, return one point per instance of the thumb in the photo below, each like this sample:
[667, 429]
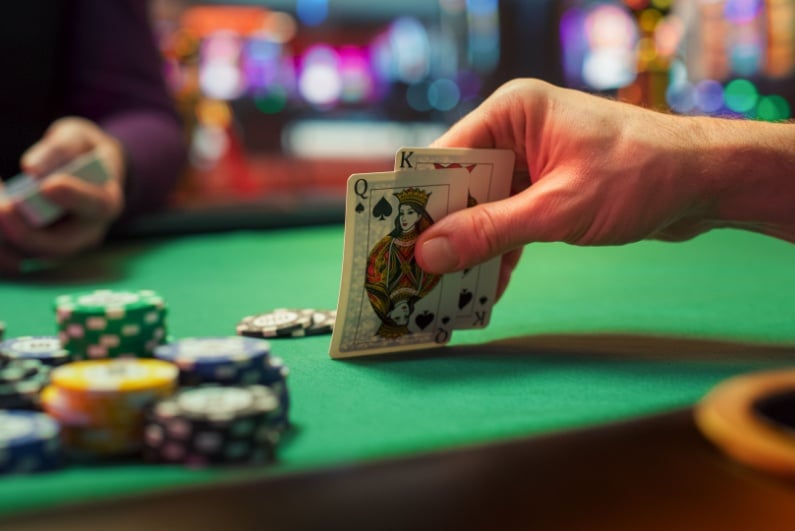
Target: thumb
[64, 140]
[471, 236]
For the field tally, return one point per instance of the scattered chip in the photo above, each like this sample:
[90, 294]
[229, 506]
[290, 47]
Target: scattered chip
[322, 322]
[284, 322]
[281, 322]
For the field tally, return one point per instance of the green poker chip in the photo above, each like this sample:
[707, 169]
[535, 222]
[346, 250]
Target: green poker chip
[106, 323]
[113, 304]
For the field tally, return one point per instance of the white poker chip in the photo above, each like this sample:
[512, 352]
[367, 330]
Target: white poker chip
[282, 322]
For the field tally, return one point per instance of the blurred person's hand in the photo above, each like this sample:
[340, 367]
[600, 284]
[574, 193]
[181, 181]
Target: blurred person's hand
[89, 208]
[609, 173]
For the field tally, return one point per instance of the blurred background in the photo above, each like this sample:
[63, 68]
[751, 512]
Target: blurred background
[284, 99]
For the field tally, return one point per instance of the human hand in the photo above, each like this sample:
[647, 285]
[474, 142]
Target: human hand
[90, 208]
[602, 172]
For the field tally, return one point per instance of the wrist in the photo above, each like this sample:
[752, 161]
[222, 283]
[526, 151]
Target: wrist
[749, 171]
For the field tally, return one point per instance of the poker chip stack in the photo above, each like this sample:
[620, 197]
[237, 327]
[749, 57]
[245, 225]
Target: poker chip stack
[46, 349]
[285, 322]
[21, 382]
[111, 324]
[29, 442]
[101, 404]
[212, 425]
[230, 361]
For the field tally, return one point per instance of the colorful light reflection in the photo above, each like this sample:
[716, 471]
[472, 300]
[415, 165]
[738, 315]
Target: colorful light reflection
[690, 56]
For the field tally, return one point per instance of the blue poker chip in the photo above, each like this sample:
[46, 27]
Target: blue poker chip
[228, 360]
[46, 349]
[29, 442]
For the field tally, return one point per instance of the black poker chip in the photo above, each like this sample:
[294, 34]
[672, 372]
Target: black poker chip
[213, 425]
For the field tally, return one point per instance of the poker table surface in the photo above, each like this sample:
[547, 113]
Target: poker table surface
[572, 408]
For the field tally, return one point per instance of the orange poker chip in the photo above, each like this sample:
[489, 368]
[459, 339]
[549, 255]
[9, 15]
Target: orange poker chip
[727, 416]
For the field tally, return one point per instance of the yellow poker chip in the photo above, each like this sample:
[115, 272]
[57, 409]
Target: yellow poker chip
[115, 376]
[729, 416]
[124, 409]
[53, 403]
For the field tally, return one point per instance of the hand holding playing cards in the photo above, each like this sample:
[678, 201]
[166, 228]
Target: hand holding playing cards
[608, 173]
[86, 205]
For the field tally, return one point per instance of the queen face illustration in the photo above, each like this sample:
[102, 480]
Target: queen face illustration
[407, 218]
[394, 280]
[400, 313]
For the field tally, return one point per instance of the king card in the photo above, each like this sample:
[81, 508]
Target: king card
[488, 175]
[387, 303]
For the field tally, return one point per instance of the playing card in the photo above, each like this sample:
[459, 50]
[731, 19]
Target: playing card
[39, 211]
[88, 167]
[489, 173]
[387, 303]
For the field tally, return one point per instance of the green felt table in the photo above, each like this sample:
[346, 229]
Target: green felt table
[582, 337]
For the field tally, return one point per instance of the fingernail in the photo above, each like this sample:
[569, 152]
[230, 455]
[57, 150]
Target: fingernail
[439, 256]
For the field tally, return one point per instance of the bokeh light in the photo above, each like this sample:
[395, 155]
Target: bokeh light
[773, 108]
[709, 96]
[221, 80]
[273, 101]
[410, 49]
[311, 12]
[681, 97]
[609, 62]
[320, 82]
[443, 94]
[355, 74]
[741, 95]
[742, 11]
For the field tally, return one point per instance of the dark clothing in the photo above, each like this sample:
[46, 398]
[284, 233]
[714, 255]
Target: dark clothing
[96, 59]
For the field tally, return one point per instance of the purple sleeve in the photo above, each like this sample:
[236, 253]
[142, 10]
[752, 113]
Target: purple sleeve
[114, 77]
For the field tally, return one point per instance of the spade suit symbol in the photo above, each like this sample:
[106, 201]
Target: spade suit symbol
[360, 208]
[424, 319]
[382, 209]
[464, 298]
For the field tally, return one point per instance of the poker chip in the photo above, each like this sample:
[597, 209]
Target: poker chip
[736, 417]
[322, 322]
[46, 349]
[282, 322]
[230, 361]
[285, 323]
[29, 442]
[105, 323]
[21, 382]
[101, 404]
[213, 425]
